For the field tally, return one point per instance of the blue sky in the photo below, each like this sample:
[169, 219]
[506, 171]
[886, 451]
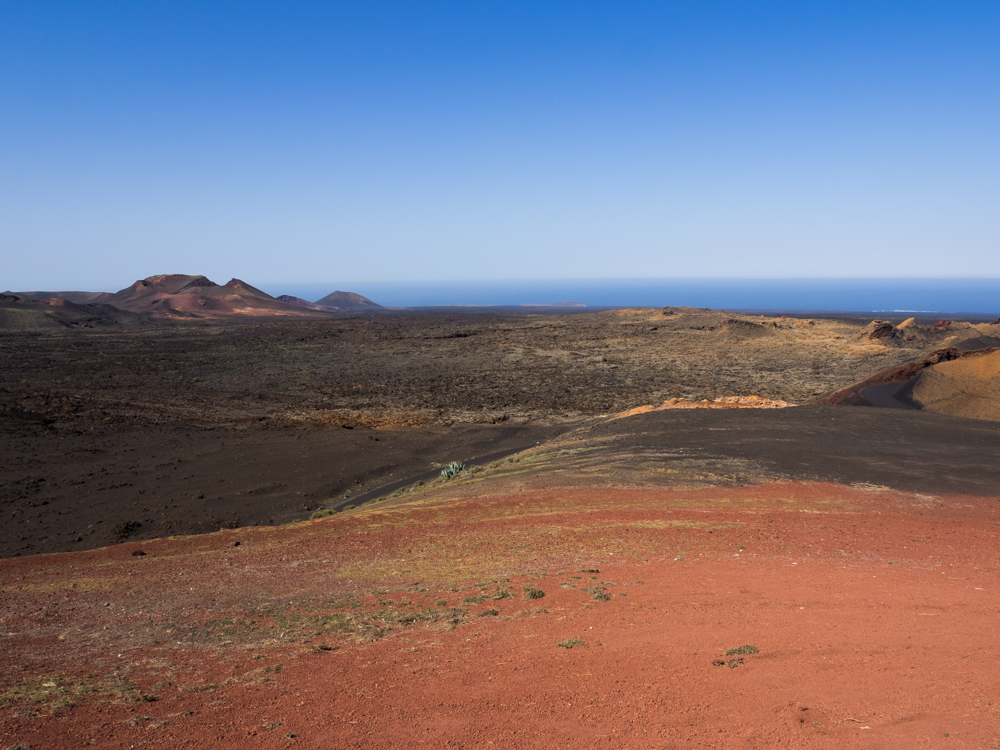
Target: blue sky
[399, 142]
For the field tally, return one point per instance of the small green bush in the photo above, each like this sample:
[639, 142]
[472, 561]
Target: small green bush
[572, 642]
[452, 469]
[530, 592]
[743, 650]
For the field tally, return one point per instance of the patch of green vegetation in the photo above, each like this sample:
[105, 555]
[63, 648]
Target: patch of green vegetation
[58, 693]
[530, 592]
[598, 594]
[743, 650]
[441, 602]
[571, 643]
[473, 599]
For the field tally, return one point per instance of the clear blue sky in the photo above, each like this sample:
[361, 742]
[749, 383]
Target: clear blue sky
[328, 142]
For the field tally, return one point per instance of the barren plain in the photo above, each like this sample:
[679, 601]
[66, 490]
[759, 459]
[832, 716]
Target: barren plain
[614, 568]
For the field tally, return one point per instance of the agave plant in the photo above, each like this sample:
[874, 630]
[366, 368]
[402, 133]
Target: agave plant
[452, 469]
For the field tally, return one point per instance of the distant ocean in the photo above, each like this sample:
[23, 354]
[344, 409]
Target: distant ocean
[888, 296]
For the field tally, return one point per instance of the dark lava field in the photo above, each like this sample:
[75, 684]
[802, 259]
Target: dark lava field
[118, 433]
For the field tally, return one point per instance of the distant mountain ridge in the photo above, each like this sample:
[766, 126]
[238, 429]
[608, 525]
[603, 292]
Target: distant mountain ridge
[80, 298]
[179, 295]
[197, 296]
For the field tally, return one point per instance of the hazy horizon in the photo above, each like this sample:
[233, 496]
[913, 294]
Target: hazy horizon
[974, 296]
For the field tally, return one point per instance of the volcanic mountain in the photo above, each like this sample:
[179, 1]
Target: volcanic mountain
[80, 298]
[347, 301]
[18, 312]
[334, 302]
[177, 295]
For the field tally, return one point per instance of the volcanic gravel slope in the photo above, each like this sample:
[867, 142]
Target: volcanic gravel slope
[969, 387]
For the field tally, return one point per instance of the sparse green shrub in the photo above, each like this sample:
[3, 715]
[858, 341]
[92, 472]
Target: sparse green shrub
[599, 594]
[489, 613]
[571, 643]
[441, 602]
[743, 650]
[501, 594]
[474, 599]
[452, 469]
[350, 507]
[530, 592]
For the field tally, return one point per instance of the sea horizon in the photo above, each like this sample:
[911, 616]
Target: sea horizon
[896, 296]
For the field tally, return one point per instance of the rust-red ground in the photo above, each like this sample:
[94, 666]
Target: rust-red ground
[875, 614]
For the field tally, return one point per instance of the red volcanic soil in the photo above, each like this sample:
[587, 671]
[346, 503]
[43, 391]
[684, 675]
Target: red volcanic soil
[873, 614]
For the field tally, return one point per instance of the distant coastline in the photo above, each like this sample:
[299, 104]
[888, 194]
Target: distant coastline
[890, 297]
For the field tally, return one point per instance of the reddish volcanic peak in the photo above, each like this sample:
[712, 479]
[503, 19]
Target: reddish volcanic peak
[198, 296]
[237, 286]
[174, 283]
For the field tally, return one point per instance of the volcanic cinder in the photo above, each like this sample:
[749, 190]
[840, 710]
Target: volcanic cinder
[250, 542]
